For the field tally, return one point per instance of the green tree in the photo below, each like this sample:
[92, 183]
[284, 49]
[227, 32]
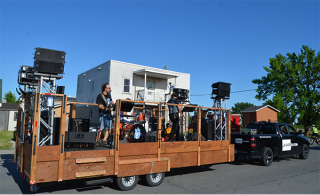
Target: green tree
[294, 80]
[10, 97]
[240, 106]
[284, 116]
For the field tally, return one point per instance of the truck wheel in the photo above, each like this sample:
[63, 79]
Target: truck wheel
[154, 179]
[127, 183]
[305, 152]
[267, 157]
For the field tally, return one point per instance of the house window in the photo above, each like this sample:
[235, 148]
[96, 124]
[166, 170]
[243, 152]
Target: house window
[126, 85]
[15, 116]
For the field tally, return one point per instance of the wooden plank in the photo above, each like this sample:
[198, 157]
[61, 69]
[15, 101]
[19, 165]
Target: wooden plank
[214, 145]
[142, 168]
[27, 158]
[135, 161]
[229, 133]
[211, 157]
[47, 171]
[25, 130]
[137, 157]
[36, 126]
[91, 160]
[231, 152]
[159, 129]
[116, 138]
[133, 149]
[178, 147]
[70, 168]
[18, 125]
[90, 174]
[91, 154]
[183, 159]
[48, 153]
[199, 132]
[62, 137]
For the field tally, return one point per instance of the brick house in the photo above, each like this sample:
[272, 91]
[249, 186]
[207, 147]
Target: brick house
[260, 113]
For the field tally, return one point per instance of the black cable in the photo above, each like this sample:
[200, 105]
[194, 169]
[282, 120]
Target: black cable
[230, 92]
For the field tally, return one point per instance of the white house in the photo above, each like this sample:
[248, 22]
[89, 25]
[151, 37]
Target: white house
[8, 116]
[128, 80]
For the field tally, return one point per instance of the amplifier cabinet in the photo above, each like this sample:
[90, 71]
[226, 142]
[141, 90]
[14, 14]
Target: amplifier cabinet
[79, 125]
[80, 137]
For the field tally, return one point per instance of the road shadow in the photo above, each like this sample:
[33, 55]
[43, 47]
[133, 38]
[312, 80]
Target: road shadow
[313, 147]
[8, 163]
[244, 161]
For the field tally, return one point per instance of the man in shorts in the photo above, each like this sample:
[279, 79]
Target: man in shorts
[105, 103]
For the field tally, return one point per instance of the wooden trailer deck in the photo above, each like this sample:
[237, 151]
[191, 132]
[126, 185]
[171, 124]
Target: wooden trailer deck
[42, 164]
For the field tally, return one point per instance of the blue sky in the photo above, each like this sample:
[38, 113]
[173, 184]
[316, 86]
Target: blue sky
[228, 41]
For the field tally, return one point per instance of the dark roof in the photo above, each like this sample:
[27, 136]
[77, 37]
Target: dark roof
[257, 108]
[9, 106]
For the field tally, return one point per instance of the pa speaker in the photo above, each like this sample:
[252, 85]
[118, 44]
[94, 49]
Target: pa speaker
[79, 125]
[60, 90]
[48, 67]
[49, 55]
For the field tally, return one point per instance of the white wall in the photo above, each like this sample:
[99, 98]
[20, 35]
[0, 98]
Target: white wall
[12, 123]
[114, 73]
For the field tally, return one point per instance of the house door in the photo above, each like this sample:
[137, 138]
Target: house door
[150, 91]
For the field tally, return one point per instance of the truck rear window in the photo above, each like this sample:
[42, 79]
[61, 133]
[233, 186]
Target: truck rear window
[268, 129]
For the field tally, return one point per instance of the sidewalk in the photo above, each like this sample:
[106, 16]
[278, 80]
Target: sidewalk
[9, 151]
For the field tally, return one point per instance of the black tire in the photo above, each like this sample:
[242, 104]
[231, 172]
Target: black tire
[267, 157]
[127, 183]
[304, 152]
[154, 179]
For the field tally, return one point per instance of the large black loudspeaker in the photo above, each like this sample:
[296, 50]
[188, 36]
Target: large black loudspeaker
[182, 94]
[79, 125]
[206, 128]
[60, 90]
[49, 61]
[221, 89]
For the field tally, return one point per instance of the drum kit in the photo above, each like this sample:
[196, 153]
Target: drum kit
[134, 130]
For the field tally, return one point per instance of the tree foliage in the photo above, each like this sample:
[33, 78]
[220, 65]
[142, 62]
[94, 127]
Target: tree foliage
[10, 97]
[240, 106]
[293, 82]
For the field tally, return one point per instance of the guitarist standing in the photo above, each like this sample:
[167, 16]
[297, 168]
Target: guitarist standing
[174, 112]
[105, 103]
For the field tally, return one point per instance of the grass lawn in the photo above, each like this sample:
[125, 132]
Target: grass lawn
[5, 138]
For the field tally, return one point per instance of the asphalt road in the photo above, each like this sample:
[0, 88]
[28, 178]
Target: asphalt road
[284, 176]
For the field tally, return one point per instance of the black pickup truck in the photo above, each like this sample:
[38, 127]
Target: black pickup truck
[270, 140]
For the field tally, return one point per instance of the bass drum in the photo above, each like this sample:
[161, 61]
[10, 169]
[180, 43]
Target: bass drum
[137, 133]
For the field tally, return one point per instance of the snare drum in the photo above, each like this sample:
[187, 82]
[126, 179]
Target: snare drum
[140, 117]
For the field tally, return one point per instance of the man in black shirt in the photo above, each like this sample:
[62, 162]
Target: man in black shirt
[105, 103]
[174, 112]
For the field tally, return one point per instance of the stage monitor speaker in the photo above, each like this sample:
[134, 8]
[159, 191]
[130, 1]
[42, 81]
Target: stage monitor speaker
[206, 128]
[49, 55]
[79, 125]
[60, 90]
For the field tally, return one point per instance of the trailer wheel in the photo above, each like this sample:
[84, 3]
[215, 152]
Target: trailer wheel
[304, 152]
[127, 183]
[33, 188]
[267, 157]
[154, 179]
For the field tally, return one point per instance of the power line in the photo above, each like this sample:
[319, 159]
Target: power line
[230, 92]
